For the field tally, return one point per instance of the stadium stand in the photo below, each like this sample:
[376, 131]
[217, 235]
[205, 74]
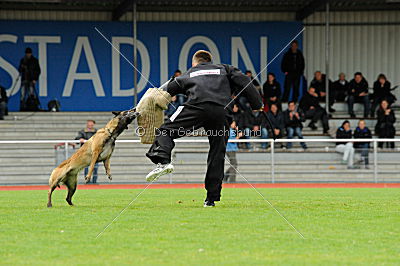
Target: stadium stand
[33, 163]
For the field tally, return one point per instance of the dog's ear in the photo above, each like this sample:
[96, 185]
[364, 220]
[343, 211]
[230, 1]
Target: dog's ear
[115, 113]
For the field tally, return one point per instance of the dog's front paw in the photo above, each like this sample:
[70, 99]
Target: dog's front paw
[110, 177]
[87, 179]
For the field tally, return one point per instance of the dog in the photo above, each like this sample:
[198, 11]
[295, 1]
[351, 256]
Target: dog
[98, 148]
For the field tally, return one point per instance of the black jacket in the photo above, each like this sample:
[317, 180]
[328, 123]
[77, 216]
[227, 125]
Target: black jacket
[207, 82]
[272, 90]
[307, 101]
[294, 122]
[3, 95]
[29, 68]
[385, 123]
[293, 63]
[357, 88]
[319, 85]
[84, 134]
[276, 120]
[362, 134]
[381, 92]
[339, 88]
[342, 134]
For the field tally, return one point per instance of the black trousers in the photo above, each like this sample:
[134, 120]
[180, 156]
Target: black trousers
[213, 119]
[358, 99]
[318, 114]
[291, 81]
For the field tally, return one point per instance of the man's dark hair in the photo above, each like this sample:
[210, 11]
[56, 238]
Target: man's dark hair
[91, 120]
[28, 50]
[291, 102]
[178, 71]
[248, 71]
[345, 122]
[296, 42]
[272, 74]
[358, 74]
[202, 56]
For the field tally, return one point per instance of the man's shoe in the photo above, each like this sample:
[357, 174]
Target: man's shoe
[209, 203]
[161, 169]
[312, 126]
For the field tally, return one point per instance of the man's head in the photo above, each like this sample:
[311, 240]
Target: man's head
[382, 78]
[271, 77]
[384, 104]
[233, 124]
[291, 106]
[318, 75]
[274, 108]
[28, 52]
[294, 46]
[248, 73]
[346, 125]
[358, 77]
[342, 76]
[177, 73]
[361, 124]
[201, 56]
[90, 124]
[235, 108]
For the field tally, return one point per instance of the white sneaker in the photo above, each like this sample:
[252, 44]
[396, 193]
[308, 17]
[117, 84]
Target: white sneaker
[161, 169]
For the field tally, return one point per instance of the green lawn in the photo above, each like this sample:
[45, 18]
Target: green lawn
[170, 226]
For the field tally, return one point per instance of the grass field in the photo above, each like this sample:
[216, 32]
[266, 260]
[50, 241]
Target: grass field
[170, 226]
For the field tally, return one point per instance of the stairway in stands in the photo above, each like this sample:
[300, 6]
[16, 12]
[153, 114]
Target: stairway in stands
[33, 163]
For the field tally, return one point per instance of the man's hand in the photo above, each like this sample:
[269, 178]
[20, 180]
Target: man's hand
[276, 131]
[273, 98]
[312, 107]
[387, 111]
[297, 115]
[323, 94]
[291, 115]
[81, 140]
[362, 94]
[34, 82]
[256, 128]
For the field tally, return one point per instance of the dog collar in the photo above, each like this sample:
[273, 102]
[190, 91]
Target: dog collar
[109, 132]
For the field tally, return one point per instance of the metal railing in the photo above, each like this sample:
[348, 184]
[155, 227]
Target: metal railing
[272, 152]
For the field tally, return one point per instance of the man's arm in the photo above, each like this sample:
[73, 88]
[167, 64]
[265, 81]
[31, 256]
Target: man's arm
[174, 87]
[246, 87]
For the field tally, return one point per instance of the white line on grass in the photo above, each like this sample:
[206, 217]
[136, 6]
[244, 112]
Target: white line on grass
[270, 204]
[270, 62]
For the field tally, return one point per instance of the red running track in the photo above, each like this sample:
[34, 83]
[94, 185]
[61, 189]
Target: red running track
[236, 185]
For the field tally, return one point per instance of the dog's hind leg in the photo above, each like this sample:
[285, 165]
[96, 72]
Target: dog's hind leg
[51, 189]
[71, 183]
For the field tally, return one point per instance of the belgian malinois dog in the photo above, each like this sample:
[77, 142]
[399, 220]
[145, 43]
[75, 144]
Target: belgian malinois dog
[98, 148]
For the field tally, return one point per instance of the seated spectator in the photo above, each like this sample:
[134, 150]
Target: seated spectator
[293, 123]
[84, 135]
[309, 104]
[362, 132]
[358, 93]
[3, 102]
[381, 92]
[385, 125]
[254, 124]
[180, 98]
[272, 92]
[231, 149]
[254, 81]
[341, 88]
[276, 118]
[318, 83]
[240, 98]
[344, 132]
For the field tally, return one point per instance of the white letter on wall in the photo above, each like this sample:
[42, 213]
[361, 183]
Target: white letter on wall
[9, 68]
[145, 59]
[238, 47]
[42, 55]
[82, 43]
[190, 42]
[164, 60]
[263, 58]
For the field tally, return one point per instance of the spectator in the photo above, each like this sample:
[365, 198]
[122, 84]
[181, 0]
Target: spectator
[381, 92]
[363, 132]
[341, 88]
[272, 92]
[278, 124]
[3, 102]
[231, 149]
[385, 125]
[84, 135]
[254, 81]
[254, 124]
[319, 84]
[344, 132]
[358, 92]
[236, 115]
[293, 123]
[293, 67]
[29, 70]
[309, 104]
